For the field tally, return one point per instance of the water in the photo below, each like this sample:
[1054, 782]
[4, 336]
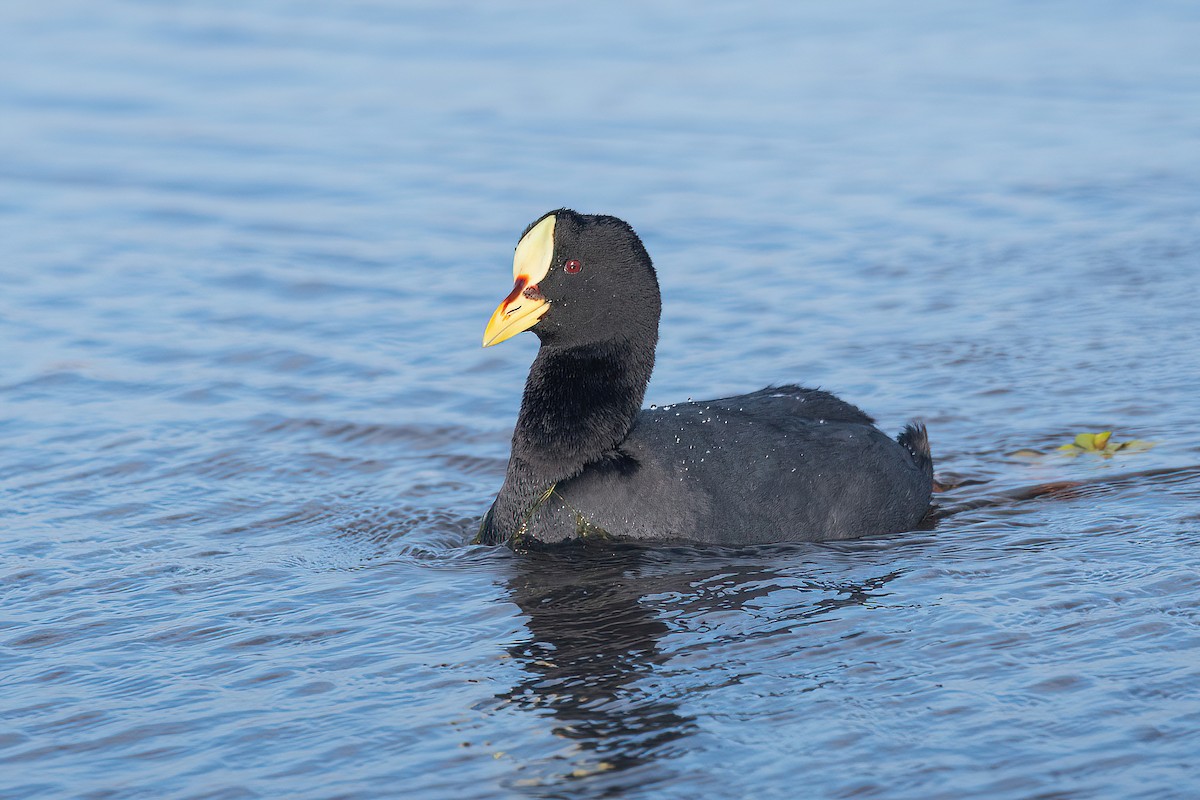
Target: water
[248, 253]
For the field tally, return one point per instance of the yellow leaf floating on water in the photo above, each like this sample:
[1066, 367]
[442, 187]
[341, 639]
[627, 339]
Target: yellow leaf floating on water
[1103, 445]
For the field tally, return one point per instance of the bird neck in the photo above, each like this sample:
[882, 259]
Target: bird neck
[579, 404]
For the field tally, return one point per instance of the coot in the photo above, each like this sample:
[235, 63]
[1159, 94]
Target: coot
[781, 464]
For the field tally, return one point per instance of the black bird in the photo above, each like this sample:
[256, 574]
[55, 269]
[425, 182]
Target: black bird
[781, 464]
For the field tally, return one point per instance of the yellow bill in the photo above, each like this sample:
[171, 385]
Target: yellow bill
[524, 305]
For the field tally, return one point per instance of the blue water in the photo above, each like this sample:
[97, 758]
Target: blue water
[248, 251]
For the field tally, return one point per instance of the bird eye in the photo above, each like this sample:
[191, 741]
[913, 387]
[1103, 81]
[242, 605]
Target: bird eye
[572, 266]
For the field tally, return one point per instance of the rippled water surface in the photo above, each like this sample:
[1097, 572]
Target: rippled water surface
[248, 250]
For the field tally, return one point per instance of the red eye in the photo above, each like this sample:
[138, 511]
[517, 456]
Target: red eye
[572, 266]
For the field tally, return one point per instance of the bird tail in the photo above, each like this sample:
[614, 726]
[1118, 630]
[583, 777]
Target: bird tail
[915, 439]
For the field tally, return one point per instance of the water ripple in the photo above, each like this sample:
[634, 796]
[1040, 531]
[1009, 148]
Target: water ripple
[249, 431]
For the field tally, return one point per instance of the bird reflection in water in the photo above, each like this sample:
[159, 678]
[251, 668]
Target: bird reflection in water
[597, 619]
[592, 640]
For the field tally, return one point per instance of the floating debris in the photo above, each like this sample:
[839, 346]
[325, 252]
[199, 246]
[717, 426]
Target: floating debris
[1102, 444]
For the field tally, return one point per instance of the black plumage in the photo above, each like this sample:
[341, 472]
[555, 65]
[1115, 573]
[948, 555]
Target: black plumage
[781, 464]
